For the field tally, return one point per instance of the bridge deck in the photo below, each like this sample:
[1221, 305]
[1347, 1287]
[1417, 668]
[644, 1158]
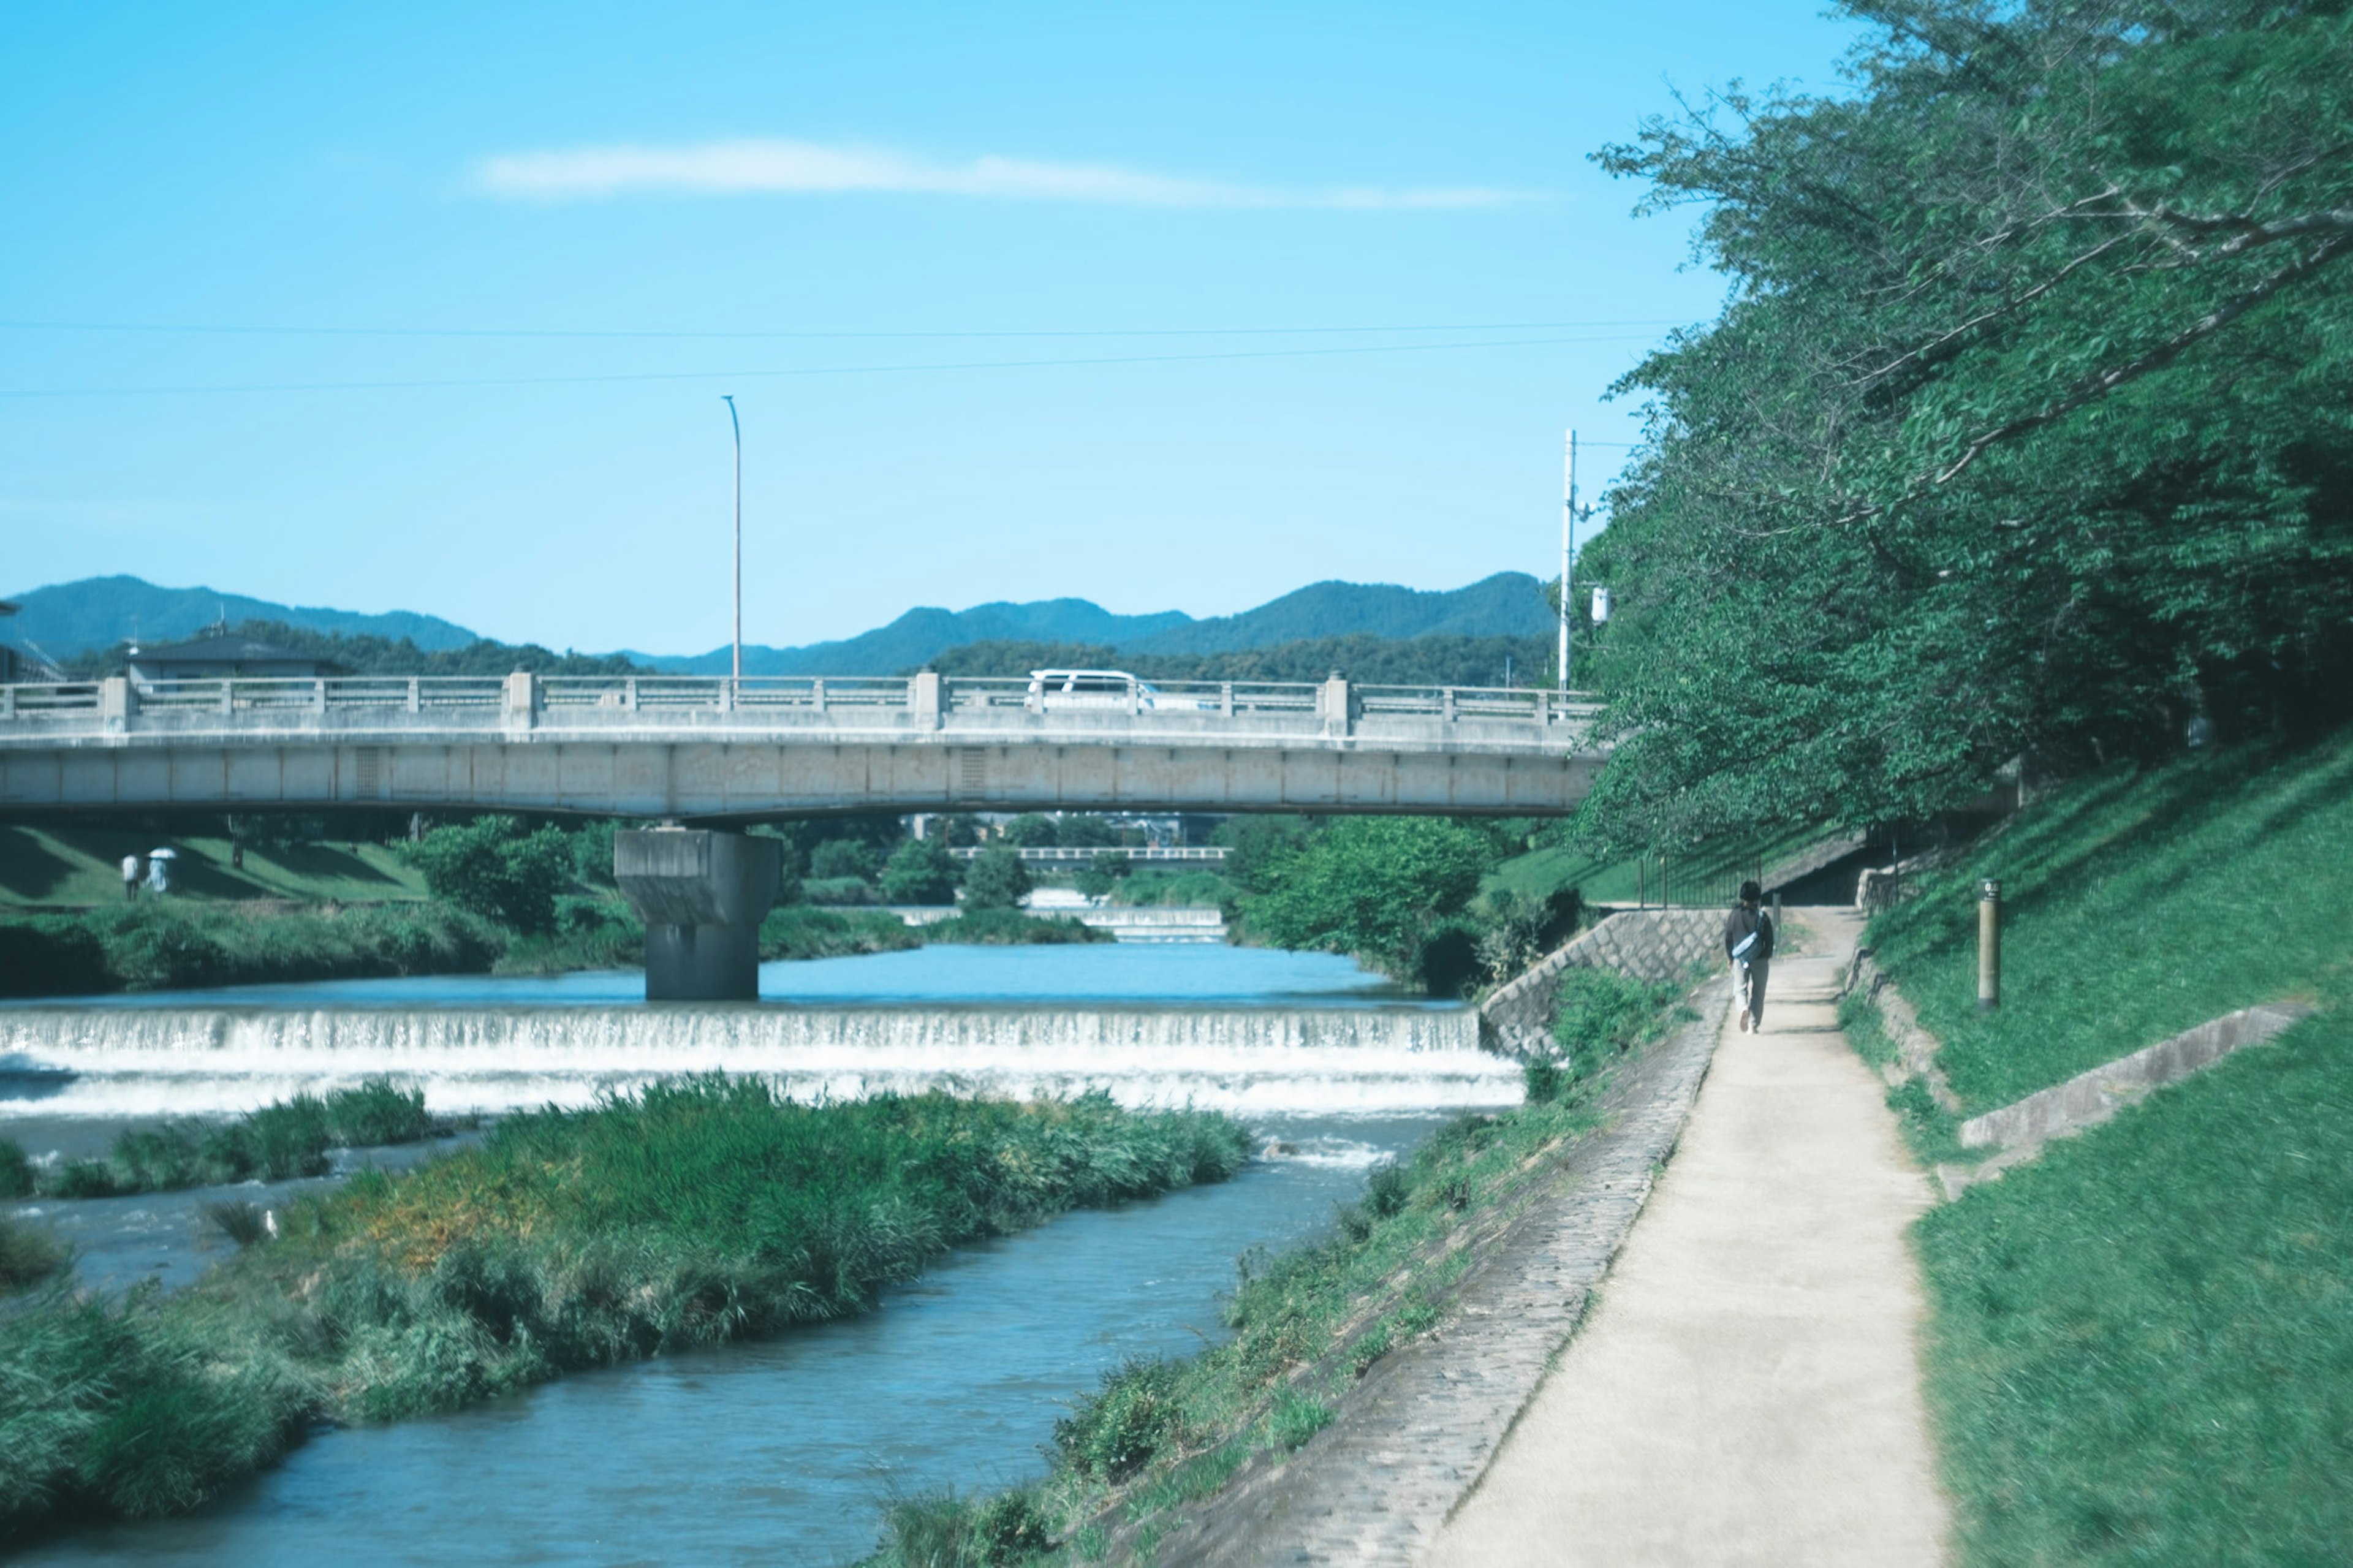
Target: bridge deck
[719, 747]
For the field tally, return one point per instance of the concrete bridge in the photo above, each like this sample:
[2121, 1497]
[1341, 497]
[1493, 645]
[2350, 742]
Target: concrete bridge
[718, 749]
[722, 749]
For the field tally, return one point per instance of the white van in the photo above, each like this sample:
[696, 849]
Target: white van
[1103, 691]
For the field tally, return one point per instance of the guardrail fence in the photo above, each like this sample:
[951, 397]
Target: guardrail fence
[1336, 704]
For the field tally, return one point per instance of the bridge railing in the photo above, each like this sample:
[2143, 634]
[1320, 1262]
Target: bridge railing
[809, 696]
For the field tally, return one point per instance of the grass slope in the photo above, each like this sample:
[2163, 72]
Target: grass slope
[82, 866]
[2136, 905]
[2141, 1343]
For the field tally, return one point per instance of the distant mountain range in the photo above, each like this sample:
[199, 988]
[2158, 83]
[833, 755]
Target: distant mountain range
[71, 618]
[1509, 603]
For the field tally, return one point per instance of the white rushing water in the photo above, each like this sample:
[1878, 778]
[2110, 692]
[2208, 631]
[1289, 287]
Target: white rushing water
[114, 1063]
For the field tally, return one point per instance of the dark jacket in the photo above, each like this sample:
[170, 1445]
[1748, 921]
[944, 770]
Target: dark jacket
[1739, 924]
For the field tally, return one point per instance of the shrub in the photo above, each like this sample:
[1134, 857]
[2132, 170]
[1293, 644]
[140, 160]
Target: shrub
[27, 1253]
[996, 879]
[1102, 874]
[495, 868]
[1116, 1431]
[1032, 830]
[153, 948]
[245, 1223]
[839, 858]
[1599, 1010]
[921, 871]
[379, 1111]
[1544, 1078]
[1295, 1418]
[15, 1170]
[47, 956]
[1011, 928]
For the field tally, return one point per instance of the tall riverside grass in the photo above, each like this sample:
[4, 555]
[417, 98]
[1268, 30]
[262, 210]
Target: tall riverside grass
[275, 1143]
[695, 1212]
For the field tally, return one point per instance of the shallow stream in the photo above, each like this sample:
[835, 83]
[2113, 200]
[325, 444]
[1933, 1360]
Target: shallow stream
[782, 1452]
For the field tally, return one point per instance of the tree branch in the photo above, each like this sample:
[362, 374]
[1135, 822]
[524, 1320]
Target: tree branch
[2101, 385]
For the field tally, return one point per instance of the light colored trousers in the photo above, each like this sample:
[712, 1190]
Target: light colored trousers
[1748, 984]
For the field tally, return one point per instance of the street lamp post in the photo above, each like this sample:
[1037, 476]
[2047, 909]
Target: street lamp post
[737, 426]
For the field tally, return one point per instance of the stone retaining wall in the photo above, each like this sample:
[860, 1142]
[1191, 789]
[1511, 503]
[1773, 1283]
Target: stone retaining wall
[1648, 944]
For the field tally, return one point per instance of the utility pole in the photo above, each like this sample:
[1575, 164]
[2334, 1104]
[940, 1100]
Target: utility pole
[1571, 514]
[1567, 547]
[737, 425]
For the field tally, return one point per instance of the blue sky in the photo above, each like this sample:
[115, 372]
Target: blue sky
[1186, 196]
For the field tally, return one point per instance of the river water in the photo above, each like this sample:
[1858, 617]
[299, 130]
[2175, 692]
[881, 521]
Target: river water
[781, 1451]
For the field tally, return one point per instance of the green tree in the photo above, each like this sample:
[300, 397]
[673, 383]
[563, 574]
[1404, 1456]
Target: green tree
[921, 871]
[1378, 886]
[1032, 830]
[1085, 831]
[1256, 844]
[1099, 876]
[497, 868]
[839, 857]
[995, 880]
[2029, 427]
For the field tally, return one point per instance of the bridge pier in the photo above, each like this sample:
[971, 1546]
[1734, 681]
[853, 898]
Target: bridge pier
[701, 894]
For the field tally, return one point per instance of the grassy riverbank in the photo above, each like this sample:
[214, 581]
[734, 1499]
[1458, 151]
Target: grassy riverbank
[169, 944]
[696, 1213]
[1157, 1436]
[2141, 1347]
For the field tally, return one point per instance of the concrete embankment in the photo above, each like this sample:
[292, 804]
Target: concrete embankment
[127, 1061]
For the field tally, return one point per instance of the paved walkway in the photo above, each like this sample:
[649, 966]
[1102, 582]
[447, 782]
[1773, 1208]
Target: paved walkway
[1747, 1390]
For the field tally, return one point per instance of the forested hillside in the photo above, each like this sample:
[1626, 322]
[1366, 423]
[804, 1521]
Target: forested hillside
[1377, 661]
[364, 654]
[2028, 430]
[70, 618]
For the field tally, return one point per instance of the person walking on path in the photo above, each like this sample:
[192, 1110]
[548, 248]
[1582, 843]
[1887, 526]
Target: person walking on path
[131, 874]
[1748, 943]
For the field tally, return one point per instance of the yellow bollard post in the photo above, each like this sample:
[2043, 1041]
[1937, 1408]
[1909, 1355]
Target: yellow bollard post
[1989, 946]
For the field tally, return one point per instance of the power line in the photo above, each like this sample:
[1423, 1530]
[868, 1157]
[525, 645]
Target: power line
[764, 374]
[249, 330]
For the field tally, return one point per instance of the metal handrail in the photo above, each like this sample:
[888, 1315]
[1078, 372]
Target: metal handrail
[814, 695]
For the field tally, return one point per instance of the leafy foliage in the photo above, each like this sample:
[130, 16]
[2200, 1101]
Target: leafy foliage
[921, 871]
[497, 868]
[995, 880]
[2030, 426]
[1379, 886]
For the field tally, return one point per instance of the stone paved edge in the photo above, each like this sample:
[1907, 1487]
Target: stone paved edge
[2091, 1097]
[1413, 1437]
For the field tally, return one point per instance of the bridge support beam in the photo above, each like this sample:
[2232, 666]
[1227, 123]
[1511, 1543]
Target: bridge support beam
[701, 894]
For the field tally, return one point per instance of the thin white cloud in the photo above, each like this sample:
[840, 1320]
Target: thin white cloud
[776, 167]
